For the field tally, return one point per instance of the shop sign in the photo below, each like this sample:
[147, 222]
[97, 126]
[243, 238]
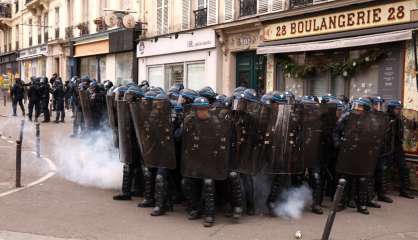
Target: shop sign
[33, 51]
[183, 42]
[362, 18]
[243, 41]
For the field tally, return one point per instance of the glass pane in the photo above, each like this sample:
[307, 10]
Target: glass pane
[174, 74]
[123, 68]
[365, 82]
[102, 62]
[156, 76]
[338, 85]
[196, 76]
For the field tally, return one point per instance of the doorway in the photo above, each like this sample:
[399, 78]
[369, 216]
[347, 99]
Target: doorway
[251, 71]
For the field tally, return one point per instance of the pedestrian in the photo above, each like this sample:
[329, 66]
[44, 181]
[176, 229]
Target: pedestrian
[58, 94]
[17, 94]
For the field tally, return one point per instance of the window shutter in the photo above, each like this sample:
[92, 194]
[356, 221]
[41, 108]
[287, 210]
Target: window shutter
[159, 16]
[165, 18]
[262, 6]
[278, 5]
[185, 15]
[212, 12]
[229, 10]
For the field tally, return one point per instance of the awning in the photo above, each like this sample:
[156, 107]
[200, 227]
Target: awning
[30, 57]
[338, 43]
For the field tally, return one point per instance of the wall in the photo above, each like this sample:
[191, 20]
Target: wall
[410, 86]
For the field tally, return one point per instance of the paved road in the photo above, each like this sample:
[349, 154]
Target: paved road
[61, 209]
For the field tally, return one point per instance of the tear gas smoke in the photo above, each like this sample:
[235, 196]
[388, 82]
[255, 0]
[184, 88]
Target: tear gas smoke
[293, 201]
[90, 161]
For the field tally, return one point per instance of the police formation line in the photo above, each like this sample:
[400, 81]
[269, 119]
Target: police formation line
[204, 149]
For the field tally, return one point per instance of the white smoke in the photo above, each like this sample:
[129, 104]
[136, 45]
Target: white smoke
[293, 201]
[91, 161]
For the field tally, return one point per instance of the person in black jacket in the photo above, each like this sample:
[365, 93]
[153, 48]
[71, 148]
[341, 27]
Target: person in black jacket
[398, 156]
[44, 91]
[58, 94]
[17, 94]
[34, 98]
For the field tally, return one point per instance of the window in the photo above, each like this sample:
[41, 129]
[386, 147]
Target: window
[124, 68]
[196, 75]
[162, 16]
[156, 76]
[86, 12]
[39, 30]
[247, 7]
[30, 32]
[17, 37]
[88, 67]
[174, 73]
[57, 23]
[46, 37]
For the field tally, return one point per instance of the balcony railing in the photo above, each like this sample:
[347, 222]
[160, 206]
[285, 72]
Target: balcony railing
[84, 28]
[5, 10]
[200, 18]
[69, 32]
[247, 7]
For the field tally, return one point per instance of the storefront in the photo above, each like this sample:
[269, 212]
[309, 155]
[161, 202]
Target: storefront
[57, 60]
[8, 65]
[359, 51]
[191, 58]
[33, 62]
[353, 52]
[242, 65]
[108, 56]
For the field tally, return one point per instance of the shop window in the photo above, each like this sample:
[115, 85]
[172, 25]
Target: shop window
[156, 76]
[124, 68]
[102, 70]
[174, 73]
[88, 67]
[196, 75]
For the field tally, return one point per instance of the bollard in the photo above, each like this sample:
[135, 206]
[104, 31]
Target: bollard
[331, 216]
[38, 141]
[18, 163]
[22, 127]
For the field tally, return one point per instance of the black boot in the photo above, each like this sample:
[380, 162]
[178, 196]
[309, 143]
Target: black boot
[315, 182]
[209, 196]
[362, 196]
[126, 184]
[371, 194]
[381, 187]
[149, 200]
[236, 198]
[160, 196]
[191, 198]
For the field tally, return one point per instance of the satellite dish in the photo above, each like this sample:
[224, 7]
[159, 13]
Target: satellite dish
[129, 21]
[111, 20]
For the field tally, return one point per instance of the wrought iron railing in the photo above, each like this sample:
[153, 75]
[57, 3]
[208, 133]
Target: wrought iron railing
[200, 18]
[247, 7]
[69, 32]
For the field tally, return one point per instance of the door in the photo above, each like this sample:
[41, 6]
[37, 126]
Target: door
[251, 71]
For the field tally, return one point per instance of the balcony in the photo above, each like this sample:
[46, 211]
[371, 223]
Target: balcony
[200, 17]
[84, 28]
[5, 10]
[100, 24]
[247, 7]
[36, 6]
[69, 32]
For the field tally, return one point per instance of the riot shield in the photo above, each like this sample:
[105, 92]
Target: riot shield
[361, 142]
[284, 156]
[312, 133]
[153, 128]
[86, 109]
[205, 146]
[410, 141]
[328, 123]
[112, 115]
[125, 130]
[248, 137]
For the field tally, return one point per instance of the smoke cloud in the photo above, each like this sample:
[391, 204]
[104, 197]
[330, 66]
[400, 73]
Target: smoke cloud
[293, 201]
[91, 161]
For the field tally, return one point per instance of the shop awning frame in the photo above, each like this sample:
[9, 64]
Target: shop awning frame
[357, 41]
[30, 57]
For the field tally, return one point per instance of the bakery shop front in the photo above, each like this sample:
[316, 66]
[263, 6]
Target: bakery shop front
[356, 51]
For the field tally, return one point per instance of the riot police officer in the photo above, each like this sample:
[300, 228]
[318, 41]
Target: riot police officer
[58, 94]
[44, 90]
[398, 157]
[34, 98]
